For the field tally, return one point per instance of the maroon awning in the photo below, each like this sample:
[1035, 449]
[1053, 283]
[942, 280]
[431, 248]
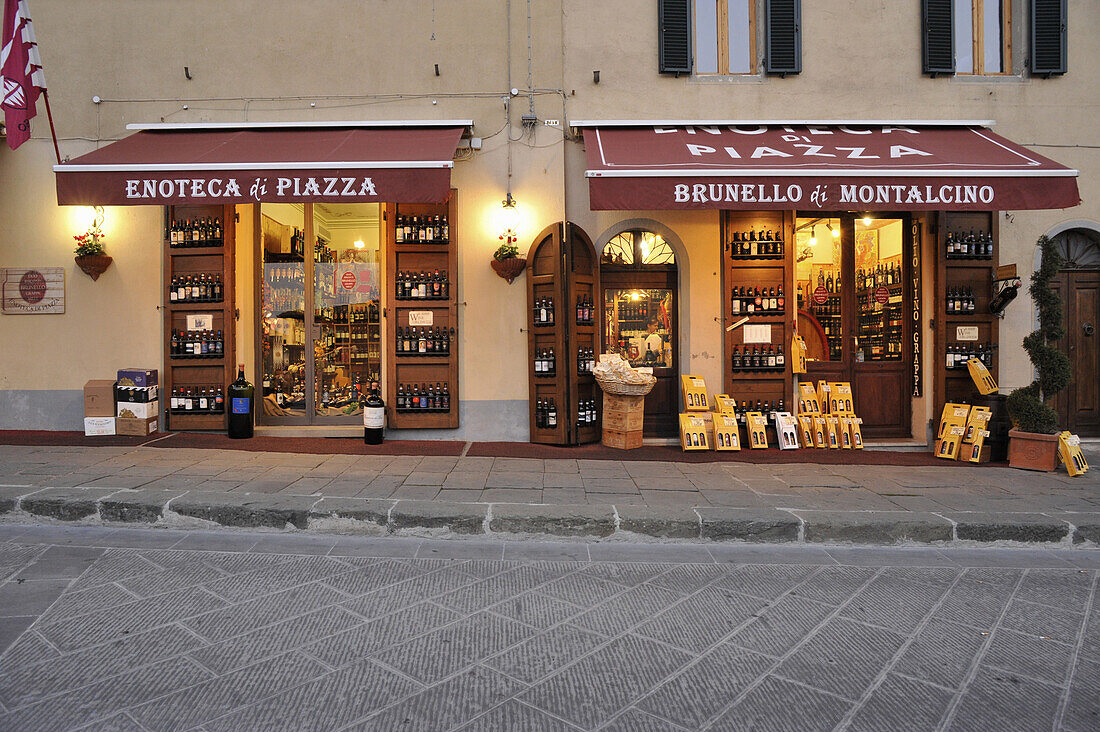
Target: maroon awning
[818, 167]
[336, 162]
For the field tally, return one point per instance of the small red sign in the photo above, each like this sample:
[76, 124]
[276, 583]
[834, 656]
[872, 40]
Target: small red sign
[821, 295]
[347, 281]
[882, 295]
[32, 287]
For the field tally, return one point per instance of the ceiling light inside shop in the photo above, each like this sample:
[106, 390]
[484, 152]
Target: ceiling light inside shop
[866, 220]
[836, 232]
[359, 244]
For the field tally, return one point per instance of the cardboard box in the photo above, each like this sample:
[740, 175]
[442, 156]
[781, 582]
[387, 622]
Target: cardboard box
[798, 355]
[136, 393]
[694, 391]
[976, 423]
[806, 429]
[981, 377]
[694, 432]
[137, 410]
[99, 426]
[947, 447]
[786, 429]
[622, 440]
[1069, 449]
[139, 427]
[808, 402]
[857, 432]
[820, 431]
[616, 402]
[137, 377]
[832, 431]
[757, 427]
[726, 434]
[99, 398]
[840, 398]
[725, 404]
[845, 432]
[623, 420]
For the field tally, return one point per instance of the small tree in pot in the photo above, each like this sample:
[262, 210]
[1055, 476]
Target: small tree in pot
[1034, 441]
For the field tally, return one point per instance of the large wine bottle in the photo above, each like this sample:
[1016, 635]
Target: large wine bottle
[240, 406]
[374, 418]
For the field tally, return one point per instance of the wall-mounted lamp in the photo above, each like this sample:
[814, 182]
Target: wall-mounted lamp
[90, 254]
[509, 220]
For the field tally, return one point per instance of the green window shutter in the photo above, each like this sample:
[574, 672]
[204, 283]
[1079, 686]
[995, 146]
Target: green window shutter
[674, 36]
[783, 25]
[1048, 37]
[937, 37]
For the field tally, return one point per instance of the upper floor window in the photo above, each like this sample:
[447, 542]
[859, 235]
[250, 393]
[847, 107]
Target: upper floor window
[724, 37]
[975, 36]
[707, 37]
[983, 33]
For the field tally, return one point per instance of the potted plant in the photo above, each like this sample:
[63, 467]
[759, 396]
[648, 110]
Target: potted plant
[1033, 441]
[91, 256]
[507, 263]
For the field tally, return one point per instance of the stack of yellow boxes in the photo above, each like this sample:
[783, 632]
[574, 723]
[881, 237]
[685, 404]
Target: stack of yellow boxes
[1069, 449]
[726, 434]
[973, 447]
[695, 423]
[952, 430]
[811, 421]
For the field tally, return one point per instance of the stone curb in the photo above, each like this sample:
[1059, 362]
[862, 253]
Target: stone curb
[379, 516]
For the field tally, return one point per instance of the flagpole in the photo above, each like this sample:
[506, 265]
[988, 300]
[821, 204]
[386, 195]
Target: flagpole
[53, 132]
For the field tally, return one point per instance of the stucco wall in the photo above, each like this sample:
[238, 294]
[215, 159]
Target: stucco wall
[346, 59]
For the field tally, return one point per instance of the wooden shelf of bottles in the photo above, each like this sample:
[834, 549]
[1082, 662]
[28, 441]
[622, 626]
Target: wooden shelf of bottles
[198, 279]
[967, 254]
[757, 260]
[880, 323]
[421, 277]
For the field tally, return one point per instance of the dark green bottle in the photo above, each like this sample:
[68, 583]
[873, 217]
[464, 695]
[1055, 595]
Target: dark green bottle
[240, 406]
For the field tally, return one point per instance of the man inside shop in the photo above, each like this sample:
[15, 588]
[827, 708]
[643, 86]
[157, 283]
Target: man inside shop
[654, 345]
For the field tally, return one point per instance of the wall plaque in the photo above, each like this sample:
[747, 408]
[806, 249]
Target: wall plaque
[32, 291]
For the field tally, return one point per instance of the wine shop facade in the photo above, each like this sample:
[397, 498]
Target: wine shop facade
[351, 218]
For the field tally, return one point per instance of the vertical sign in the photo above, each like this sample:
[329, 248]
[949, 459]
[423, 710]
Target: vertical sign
[914, 277]
[32, 291]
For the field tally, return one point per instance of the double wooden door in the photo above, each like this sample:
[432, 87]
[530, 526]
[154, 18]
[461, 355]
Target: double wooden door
[1079, 404]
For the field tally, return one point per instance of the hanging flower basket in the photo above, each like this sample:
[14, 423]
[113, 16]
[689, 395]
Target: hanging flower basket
[509, 268]
[94, 265]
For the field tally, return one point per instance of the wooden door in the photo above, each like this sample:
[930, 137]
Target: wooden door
[662, 403]
[1079, 404]
[561, 266]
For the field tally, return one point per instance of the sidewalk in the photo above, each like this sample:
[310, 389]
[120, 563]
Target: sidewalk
[588, 499]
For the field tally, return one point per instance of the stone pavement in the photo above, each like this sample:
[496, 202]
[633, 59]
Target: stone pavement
[159, 629]
[581, 498]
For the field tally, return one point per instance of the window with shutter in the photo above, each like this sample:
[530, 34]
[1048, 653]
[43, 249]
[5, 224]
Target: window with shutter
[784, 36]
[1048, 37]
[966, 36]
[674, 36]
[724, 36]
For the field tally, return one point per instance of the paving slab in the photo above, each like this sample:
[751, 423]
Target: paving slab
[461, 518]
[556, 520]
[65, 504]
[143, 505]
[663, 522]
[246, 510]
[748, 524]
[874, 527]
[980, 526]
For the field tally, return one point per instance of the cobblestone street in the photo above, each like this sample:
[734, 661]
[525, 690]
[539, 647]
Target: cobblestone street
[158, 629]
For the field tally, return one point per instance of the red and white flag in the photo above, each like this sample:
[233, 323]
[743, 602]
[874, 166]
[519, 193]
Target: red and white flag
[21, 78]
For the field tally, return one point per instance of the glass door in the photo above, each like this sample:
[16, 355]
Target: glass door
[852, 311]
[320, 346]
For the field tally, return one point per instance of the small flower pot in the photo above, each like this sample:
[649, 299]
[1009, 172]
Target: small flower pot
[94, 265]
[1033, 451]
[510, 268]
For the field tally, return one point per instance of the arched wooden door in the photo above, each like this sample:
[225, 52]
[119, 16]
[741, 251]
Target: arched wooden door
[639, 295]
[1078, 283]
[562, 290]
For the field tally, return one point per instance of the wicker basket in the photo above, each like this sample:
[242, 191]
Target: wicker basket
[621, 388]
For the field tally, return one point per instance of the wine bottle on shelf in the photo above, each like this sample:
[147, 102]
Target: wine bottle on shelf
[241, 394]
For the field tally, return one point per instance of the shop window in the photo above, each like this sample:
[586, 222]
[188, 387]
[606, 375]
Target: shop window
[644, 247]
[967, 37]
[639, 325]
[819, 264]
[1080, 248]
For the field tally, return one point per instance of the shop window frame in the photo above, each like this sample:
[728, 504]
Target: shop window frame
[722, 40]
[941, 22]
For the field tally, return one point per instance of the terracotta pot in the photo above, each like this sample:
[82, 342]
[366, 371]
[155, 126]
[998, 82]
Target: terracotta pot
[1032, 451]
[94, 265]
[509, 269]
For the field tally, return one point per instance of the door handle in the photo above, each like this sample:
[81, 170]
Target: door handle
[1088, 328]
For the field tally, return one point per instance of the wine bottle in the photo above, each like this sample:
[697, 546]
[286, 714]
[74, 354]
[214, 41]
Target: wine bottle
[241, 394]
[374, 418]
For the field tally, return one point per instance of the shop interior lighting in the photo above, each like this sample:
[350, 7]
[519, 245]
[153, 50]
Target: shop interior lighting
[359, 244]
[836, 232]
[866, 220]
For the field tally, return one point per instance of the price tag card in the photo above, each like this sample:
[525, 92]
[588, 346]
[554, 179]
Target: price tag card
[966, 333]
[421, 317]
[757, 333]
[200, 321]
